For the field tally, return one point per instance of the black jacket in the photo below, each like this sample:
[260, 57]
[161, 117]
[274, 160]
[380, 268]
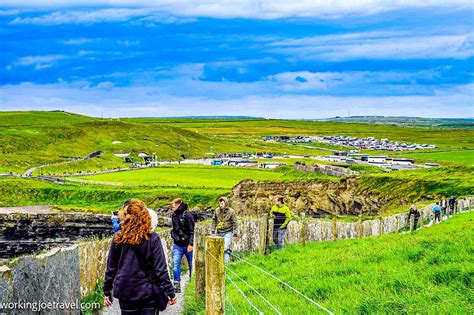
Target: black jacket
[415, 213]
[183, 226]
[128, 280]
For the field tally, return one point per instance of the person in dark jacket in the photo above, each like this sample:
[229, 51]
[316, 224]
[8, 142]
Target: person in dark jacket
[452, 203]
[416, 216]
[183, 237]
[134, 246]
[224, 224]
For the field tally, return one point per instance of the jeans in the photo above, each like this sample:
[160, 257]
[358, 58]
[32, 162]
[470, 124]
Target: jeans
[178, 252]
[451, 209]
[227, 242]
[143, 307]
[437, 216]
[415, 224]
[278, 237]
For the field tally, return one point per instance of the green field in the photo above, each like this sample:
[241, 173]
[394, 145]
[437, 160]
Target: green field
[30, 139]
[427, 272]
[34, 138]
[458, 157]
[187, 175]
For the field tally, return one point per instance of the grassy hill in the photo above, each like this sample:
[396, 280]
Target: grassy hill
[443, 138]
[430, 271]
[34, 138]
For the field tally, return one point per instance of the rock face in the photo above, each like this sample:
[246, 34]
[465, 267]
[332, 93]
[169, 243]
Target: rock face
[318, 197]
[331, 170]
[25, 233]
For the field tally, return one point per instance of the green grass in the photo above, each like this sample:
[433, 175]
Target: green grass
[399, 189]
[187, 175]
[34, 138]
[444, 138]
[102, 199]
[459, 157]
[97, 296]
[430, 271]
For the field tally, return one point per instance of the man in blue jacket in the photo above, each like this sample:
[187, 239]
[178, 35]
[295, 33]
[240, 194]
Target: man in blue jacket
[437, 213]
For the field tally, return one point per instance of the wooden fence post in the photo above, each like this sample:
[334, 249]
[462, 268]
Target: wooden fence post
[304, 229]
[199, 261]
[269, 234]
[215, 281]
[380, 225]
[263, 234]
[334, 227]
[359, 226]
[422, 219]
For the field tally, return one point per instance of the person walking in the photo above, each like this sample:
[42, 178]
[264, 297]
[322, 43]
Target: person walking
[224, 224]
[119, 217]
[182, 234]
[444, 205]
[416, 216]
[281, 215]
[136, 272]
[437, 213]
[452, 204]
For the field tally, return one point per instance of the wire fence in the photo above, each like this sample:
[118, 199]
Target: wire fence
[292, 289]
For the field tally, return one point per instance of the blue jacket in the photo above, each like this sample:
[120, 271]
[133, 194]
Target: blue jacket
[116, 224]
[437, 208]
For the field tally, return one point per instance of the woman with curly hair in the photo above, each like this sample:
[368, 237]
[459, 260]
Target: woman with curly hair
[136, 266]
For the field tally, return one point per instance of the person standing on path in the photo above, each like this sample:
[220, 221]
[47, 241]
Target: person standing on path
[452, 203]
[281, 215]
[182, 234]
[117, 219]
[134, 247]
[444, 205]
[224, 224]
[437, 213]
[416, 216]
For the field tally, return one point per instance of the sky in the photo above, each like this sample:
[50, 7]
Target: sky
[274, 59]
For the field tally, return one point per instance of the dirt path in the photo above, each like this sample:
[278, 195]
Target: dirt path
[170, 310]
[28, 209]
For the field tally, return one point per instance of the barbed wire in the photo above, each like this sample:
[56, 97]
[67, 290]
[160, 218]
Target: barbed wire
[243, 294]
[286, 284]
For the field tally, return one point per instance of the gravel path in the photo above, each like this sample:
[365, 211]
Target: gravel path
[170, 310]
[28, 209]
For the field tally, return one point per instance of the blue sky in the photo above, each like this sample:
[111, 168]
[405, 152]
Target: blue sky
[275, 59]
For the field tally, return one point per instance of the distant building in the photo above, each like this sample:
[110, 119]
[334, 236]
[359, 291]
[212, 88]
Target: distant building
[271, 164]
[399, 161]
[377, 159]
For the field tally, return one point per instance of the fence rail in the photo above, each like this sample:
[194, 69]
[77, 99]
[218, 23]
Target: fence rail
[255, 235]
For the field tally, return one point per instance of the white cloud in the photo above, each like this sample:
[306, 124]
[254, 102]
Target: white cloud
[79, 41]
[261, 9]
[147, 16]
[39, 62]
[128, 43]
[349, 80]
[376, 45]
[145, 101]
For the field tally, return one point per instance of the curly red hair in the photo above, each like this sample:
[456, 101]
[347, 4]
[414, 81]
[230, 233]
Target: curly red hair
[136, 227]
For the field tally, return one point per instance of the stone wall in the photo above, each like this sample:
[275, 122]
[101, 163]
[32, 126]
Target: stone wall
[25, 233]
[326, 169]
[66, 274]
[49, 277]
